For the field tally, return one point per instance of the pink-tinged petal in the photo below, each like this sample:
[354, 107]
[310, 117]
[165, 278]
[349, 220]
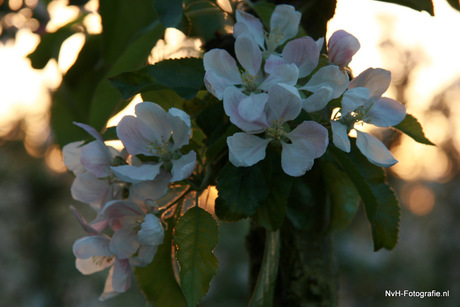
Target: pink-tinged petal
[340, 136]
[232, 99]
[284, 23]
[247, 23]
[117, 209]
[342, 46]
[151, 232]
[222, 64]
[246, 149]
[386, 112]
[92, 246]
[296, 158]
[287, 74]
[354, 98]
[152, 123]
[331, 76]
[134, 174]
[183, 167]
[252, 107]
[124, 242]
[374, 150]
[318, 100]
[89, 189]
[181, 127]
[150, 190]
[93, 265]
[248, 54]
[272, 62]
[144, 256]
[118, 280]
[91, 131]
[87, 227]
[129, 134]
[304, 53]
[71, 156]
[121, 280]
[215, 84]
[377, 80]
[313, 135]
[319, 43]
[284, 102]
[95, 157]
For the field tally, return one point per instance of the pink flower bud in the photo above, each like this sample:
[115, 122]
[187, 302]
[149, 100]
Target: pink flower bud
[342, 46]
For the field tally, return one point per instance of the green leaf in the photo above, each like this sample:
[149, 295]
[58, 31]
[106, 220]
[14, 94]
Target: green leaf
[264, 10]
[157, 280]
[412, 128]
[205, 19]
[196, 237]
[455, 4]
[266, 281]
[382, 207]
[165, 97]
[343, 195]
[106, 98]
[419, 5]
[241, 191]
[273, 210]
[184, 76]
[170, 12]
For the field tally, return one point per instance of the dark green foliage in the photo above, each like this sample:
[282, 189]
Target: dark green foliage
[412, 128]
[419, 5]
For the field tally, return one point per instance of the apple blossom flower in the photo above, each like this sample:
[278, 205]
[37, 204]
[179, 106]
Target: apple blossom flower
[362, 103]
[341, 47]
[160, 134]
[94, 183]
[328, 83]
[134, 242]
[300, 146]
[284, 25]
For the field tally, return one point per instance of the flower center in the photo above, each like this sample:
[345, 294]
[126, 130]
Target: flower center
[249, 81]
[276, 132]
[273, 40]
[160, 149]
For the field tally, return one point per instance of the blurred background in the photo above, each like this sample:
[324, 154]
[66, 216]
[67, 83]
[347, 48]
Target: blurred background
[37, 229]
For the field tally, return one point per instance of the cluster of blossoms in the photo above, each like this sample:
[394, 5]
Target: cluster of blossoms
[121, 188]
[277, 75]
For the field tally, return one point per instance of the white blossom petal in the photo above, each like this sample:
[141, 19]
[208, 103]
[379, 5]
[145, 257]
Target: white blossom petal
[354, 98]
[129, 134]
[284, 102]
[386, 112]
[284, 24]
[152, 121]
[340, 136]
[296, 158]
[71, 156]
[247, 23]
[151, 232]
[215, 84]
[222, 64]
[92, 265]
[252, 107]
[134, 174]
[331, 76]
[118, 209]
[287, 74]
[304, 53]
[95, 157]
[92, 246]
[377, 80]
[374, 150]
[91, 131]
[150, 190]
[248, 54]
[124, 242]
[88, 189]
[318, 100]
[232, 99]
[313, 135]
[183, 167]
[272, 62]
[246, 149]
